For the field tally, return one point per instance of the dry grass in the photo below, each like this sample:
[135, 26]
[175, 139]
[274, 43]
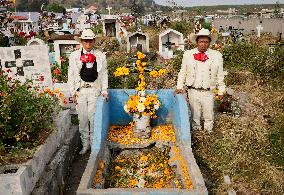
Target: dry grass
[240, 147]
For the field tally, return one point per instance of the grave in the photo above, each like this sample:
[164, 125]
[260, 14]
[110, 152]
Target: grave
[25, 62]
[138, 41]
[170, 40]
[173, 111]
[259, 28]
[111, 26]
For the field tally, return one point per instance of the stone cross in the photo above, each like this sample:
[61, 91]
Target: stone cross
[259, 28]
[109, 8]
[29, 14]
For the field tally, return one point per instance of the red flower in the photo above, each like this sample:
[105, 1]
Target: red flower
[32, 33]
[41, 78]
[9, 78]
[200, 57]
[88, 58]
[9, 70]
[22, 33]
[56, 71]
[62, 59]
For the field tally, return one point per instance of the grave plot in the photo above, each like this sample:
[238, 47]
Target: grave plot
[131, 165]
[121, 163]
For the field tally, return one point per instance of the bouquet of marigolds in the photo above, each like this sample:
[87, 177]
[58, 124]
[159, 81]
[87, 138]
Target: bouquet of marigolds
[141, 103]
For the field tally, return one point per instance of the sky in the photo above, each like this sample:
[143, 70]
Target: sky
[190, 3]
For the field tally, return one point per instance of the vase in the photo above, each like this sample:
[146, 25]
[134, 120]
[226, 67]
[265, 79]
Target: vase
[142, 127]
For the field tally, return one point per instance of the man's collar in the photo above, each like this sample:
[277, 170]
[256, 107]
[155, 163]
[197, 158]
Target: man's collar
[85, 51]
[197, 51]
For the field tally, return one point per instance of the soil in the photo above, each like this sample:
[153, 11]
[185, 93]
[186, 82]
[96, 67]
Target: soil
[76, 171]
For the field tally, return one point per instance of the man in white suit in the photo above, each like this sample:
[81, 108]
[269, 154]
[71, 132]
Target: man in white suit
[87, 79]
[201, 72]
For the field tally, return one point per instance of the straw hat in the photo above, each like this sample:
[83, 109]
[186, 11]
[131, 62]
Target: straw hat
[204, 33]
[86, 34]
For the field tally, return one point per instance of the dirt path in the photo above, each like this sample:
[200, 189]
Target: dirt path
[76, 172]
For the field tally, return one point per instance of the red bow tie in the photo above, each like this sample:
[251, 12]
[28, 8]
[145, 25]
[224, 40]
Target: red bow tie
[200, 57]
[88, 58]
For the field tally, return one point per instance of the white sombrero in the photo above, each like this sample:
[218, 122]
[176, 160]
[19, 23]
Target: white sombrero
[204, 33]
[86, 34]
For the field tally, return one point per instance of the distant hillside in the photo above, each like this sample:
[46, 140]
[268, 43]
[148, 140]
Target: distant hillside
[115, 4]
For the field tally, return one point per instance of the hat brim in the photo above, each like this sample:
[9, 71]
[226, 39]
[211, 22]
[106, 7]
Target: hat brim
[79, 39]
[213, 37]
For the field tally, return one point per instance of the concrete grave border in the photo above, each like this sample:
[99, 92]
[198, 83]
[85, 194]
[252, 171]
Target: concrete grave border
[175, 110]
[24, 180]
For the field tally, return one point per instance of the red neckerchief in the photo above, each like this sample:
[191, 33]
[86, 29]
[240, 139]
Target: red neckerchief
[88, 58]
[200, 56]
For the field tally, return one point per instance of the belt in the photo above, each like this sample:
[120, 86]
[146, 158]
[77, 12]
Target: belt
[199, 89]
[87, 85]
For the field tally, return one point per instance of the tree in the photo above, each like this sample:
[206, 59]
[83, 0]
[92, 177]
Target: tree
[54, 7]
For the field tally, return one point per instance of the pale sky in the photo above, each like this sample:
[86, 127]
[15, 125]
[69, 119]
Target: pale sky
[190, 3]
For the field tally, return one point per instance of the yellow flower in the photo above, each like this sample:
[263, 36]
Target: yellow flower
[47, 90]
[61, 95]
[162, 72]
[56, 90]
[154, 73]
[117, 168]
[140, 55]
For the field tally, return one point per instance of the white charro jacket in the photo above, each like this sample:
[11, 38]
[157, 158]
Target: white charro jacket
[187, 73]
[75, 65]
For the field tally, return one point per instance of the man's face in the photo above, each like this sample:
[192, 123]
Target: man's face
[203, 43]
[88, 44]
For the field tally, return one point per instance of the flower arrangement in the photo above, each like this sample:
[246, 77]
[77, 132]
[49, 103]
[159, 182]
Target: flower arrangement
[141, 103]
[227, 103]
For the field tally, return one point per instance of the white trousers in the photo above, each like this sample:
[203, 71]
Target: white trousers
[201, 103]
[86, 107]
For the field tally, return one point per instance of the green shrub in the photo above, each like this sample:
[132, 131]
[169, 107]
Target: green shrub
[24, 114]
[250, 57]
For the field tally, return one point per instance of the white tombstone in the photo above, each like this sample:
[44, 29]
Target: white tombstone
[225, 36]
[35, 41]
[62, 47]
[27, 62]
[169, 40]
[138, 40]
[259, 28]
[111, 26]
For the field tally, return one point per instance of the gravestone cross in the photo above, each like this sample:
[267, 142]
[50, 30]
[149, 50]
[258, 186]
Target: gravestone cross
[19, 63]
[109, 8]
[259, 28]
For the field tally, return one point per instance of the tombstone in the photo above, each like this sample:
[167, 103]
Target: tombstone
[225, 36]
[111, 27]
[26, 62]
[170, 40]
[64, 47]
[35, 41]
[138, 41]
[259, 28]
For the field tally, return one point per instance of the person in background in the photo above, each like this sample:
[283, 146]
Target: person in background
[87, 79]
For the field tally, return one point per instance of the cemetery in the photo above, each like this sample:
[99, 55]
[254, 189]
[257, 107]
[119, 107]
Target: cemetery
[142, 140]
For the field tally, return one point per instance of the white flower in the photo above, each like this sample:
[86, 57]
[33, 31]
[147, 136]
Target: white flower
[142, 99]
[140, 107]
[142, 93]
[156, 106]
[126, 108]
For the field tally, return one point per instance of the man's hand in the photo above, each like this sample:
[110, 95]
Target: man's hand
[75, 99]
[178, 91]
[105, 95]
